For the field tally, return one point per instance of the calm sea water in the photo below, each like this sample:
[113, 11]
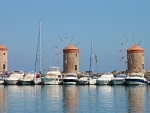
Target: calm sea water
[74, 99]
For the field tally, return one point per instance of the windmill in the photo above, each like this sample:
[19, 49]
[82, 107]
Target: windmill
[70, 56]
[133, 54]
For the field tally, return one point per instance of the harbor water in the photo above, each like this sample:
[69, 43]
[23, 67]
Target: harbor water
[74, 99]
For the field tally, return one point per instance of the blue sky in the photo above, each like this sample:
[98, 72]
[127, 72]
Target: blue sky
[106, 21]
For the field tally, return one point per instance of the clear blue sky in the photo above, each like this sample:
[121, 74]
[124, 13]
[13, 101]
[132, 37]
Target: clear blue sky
[107, 21]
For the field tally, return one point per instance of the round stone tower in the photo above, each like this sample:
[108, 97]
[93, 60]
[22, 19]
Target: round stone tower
[71, 59]
[3, 58]
[135, 59]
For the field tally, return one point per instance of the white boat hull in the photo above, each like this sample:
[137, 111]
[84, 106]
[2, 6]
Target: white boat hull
[69, 83]
[135, 83]
[92, 81]
[11, 82]
[31, 82]
[50, 81]
[118, 82]
[83, 82]
[103, 82]
[1, 82]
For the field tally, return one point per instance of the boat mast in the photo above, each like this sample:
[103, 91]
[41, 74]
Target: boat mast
[92, 56]
[40, 48]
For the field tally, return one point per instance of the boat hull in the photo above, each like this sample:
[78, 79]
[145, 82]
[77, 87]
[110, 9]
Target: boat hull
[31, 82]
[50, 81]
[1, 82]
[69, 83]
[103, 82]
[135, 82]
[92, 81]
[118, 82]
[11, 82]
[83, 82]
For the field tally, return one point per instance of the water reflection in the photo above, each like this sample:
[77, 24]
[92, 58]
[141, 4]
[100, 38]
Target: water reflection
[2, 99]
[135, 99]
[70, 98]
[86, 99]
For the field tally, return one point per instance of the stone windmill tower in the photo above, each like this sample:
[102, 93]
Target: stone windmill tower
[71, 59]
[3, 58]
[135, 59]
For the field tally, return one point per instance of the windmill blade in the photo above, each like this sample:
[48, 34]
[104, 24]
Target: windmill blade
[57, 47]
[126, 41]
[62, 41]
[58, 60]
[77, 44]
[72, 39]
[133, 39]
[57, 54]
[122, 58]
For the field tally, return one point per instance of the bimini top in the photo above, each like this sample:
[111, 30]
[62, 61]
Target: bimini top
[2, 48]
[71, 49]
[135, 49]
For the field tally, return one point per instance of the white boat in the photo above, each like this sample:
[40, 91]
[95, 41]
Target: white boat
[1, 80]
[135, 79]
[53, 76]
[105, 79]
[37, 78]
[84, 80]
[13, 78]
[119, 79]
[28, 79]
[92, 80]
[70, 79]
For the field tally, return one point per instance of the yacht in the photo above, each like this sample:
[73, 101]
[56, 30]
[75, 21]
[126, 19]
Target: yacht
[135, 79]
[84, 80]
[28, 79]
[105, 79]
[53, 76]
[92, 80]
[14, 77]
[70, 79]
[119, 79]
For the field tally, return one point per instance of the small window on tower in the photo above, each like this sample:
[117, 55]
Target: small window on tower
[4, 66]
[142, 54]
[75, 67]
[142, 66]
[4, 53]
[76, 54]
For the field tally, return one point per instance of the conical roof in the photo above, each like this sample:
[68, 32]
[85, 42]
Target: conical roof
[135, 48]
[71, 49]
[3, 48]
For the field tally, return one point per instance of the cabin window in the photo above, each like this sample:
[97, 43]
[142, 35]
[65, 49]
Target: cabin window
[142, 66]
[75, 67]
[4, 66]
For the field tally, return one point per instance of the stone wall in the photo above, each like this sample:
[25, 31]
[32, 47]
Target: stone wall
[71, 63]
[3, 61]
[135, 62]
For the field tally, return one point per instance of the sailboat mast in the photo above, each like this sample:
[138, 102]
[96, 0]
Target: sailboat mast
[40, 48]
[92, 56]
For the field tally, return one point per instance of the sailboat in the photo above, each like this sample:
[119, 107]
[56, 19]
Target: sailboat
[87, 78]
[37, 76]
